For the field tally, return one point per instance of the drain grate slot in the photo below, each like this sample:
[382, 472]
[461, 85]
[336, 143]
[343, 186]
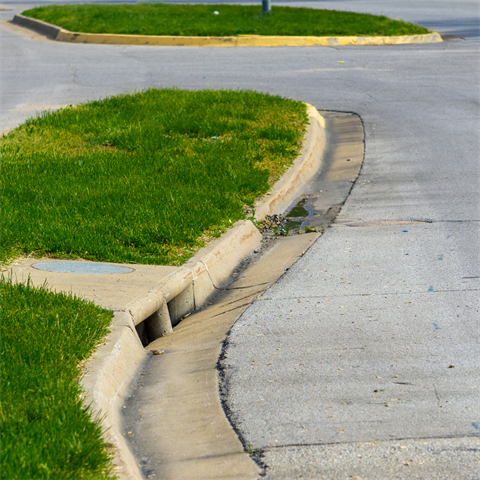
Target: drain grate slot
[180, 305]
[166, 317]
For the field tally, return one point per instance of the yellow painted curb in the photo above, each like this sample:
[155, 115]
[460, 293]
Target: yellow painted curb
[62, 35]
[246, 41]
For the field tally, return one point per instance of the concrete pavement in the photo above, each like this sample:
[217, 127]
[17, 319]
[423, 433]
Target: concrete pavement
[355, 347]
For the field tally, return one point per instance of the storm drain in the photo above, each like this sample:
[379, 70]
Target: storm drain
[166, 317]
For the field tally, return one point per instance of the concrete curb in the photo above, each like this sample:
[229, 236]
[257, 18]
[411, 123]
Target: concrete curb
[44, 28]
[108, 374]
[189, 287]
[62, 35]
[287, 189]
[106, 382]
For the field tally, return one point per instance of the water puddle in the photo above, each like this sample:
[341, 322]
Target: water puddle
[299, 210]
[327, 190]
[297, 215]
[294, 224]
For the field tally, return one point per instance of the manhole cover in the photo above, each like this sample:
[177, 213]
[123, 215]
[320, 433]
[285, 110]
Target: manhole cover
[92, 268]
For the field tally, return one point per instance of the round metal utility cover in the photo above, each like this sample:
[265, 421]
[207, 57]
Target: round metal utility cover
[92, 268]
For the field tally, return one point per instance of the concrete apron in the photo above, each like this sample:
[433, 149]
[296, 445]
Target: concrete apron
[111, 291]
[174, 420]
[150, 300]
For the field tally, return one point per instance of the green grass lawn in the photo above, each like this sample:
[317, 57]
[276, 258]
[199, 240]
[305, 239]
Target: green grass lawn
[47, 433]
[200, 20]
[142, 178]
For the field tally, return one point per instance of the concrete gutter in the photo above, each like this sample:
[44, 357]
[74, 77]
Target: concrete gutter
[62, 35]
[107, 376]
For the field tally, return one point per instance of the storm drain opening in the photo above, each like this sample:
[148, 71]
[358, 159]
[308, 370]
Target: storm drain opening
[169, 315]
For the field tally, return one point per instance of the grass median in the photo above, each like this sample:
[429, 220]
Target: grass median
[218, 20]
[144, 178]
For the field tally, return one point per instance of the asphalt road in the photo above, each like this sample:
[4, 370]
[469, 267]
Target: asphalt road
[363, 360]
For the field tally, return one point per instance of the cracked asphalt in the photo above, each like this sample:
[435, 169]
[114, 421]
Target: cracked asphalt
[363, 360]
